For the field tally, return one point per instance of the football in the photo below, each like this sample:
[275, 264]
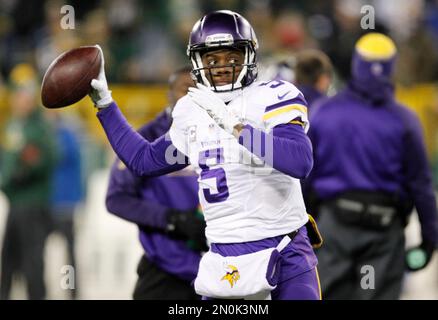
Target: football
[68, 78]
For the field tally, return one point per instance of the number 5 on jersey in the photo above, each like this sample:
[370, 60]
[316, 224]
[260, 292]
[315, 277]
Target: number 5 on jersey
[217, 173]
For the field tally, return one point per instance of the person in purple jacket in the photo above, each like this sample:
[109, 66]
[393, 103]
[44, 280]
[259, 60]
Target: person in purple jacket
[247, 140]
[370, 170]
[165, 210]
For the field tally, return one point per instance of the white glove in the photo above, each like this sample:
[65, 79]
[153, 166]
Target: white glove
[100, 94]
[215, 107]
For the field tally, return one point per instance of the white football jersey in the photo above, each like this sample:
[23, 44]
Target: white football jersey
[242, 199]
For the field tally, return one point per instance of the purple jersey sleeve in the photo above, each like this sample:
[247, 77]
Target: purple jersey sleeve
[292, 149]
[419, 182]
[139, 155]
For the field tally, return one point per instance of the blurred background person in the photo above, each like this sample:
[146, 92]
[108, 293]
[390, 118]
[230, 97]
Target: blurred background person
[309, 69]
[67, 192]
[165, 210]
[313, 74]
[28, 160]
[370, 170]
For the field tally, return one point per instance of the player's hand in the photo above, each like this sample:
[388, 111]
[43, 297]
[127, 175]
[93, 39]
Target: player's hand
[418, 258]
[215, 107]
[187, 225]
[100, 94]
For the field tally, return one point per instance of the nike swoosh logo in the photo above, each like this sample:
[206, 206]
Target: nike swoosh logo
[282, 97]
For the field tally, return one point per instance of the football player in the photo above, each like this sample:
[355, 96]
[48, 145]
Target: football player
[247, 140]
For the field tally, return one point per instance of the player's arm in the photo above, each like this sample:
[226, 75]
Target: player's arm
[142, 157]
[311, 198]
[285, 121]
[284, 135]
[291, 148]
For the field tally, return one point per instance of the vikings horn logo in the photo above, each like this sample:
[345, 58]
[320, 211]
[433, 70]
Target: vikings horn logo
[232, 275]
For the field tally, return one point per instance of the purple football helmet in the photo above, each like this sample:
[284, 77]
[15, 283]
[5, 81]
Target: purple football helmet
[219, 30]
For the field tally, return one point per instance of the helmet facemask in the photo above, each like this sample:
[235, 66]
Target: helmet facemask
[204, 74]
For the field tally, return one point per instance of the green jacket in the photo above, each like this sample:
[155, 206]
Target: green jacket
[28, 160]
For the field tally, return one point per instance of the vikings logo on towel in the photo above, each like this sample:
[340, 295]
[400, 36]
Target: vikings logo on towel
[232, 274]
[259, 269]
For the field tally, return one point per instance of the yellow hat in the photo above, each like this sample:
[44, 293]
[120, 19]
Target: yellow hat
[23, 75]
[376, 46]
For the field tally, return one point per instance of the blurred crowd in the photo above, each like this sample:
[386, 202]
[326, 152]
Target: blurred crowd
[145, 40]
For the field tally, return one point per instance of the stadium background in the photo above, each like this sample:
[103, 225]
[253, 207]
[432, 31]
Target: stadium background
[143, 42]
